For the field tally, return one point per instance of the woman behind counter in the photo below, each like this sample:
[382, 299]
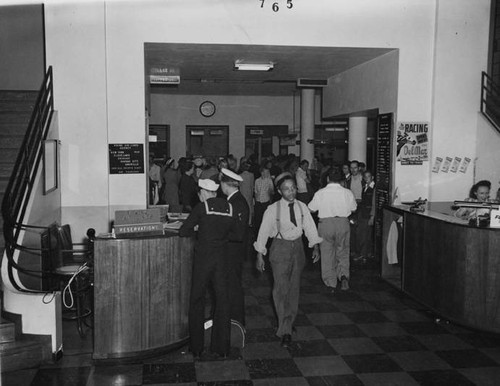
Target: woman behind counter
[480, 192]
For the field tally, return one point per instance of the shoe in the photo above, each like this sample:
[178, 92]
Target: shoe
[197, 355]
[222, 356]
[331, 289]
[344, 283]
[286, 339]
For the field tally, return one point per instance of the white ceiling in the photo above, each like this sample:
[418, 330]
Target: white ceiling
[209, 68]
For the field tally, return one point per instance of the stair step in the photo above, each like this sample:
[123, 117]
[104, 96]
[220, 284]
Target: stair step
[3, 185]
[15, 117]
[7, 331]
[10, 141]
[20, 354]
[16, 107]
[7, 155]
[17, 129]
[6, 169]
[18, 95]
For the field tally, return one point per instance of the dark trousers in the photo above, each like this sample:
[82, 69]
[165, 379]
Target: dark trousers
[259, 209]
[355, 231]
[209, 268]
[236, 256]
[365, 237]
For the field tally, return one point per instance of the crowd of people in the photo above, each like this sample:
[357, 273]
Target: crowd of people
[275, 206]
[176, 186]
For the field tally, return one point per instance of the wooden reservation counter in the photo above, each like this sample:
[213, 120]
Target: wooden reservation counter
[141, 295]
[445, 264]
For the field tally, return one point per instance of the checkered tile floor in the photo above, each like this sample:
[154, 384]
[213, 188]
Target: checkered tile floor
[369, 335]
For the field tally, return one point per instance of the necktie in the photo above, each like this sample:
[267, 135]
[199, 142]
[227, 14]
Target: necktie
[292, 214]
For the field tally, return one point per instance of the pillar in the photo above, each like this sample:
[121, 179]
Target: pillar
[357, 137]
[307, 124]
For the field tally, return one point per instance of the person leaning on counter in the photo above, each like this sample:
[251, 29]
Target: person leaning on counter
[480, 192]
[216, 223]
[236, 250]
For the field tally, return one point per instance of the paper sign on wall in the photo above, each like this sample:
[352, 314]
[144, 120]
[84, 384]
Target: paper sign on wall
[446, 164]
[465, 165]
[437, 165]
[455, 164]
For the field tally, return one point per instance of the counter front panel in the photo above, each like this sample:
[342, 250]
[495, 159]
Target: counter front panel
[449, 266]
[141, 291]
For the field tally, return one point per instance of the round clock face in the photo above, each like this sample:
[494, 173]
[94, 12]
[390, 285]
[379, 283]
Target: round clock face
[207, 109]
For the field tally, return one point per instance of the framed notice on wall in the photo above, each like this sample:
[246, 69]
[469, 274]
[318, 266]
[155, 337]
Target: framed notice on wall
[126, 158]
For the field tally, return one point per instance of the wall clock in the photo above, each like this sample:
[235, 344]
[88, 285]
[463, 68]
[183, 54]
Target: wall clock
[207, 108]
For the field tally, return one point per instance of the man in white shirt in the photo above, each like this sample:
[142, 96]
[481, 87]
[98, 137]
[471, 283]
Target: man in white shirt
[285, 221]
[302, 180]
[356, 181]
[334, 204]
[154, 180]
[263, 193]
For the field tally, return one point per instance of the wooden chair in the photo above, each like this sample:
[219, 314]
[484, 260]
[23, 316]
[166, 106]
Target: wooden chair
[70, 267]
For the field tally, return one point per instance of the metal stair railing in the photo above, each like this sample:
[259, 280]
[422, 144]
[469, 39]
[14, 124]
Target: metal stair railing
[490, 100]
[21, 182]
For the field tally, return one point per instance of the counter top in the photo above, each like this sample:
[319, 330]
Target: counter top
[438, 215]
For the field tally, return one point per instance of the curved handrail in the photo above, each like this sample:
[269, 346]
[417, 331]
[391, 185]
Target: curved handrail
[20, 185]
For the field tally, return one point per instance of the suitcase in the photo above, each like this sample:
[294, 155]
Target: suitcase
[237, 333]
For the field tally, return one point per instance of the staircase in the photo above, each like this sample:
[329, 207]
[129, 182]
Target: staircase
[15, 113]
[17, 351]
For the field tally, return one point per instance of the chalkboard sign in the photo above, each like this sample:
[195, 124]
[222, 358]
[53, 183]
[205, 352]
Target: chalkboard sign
[126, 158]
[383, 173]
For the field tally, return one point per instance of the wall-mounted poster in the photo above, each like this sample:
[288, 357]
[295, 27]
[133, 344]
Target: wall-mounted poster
[412, 143]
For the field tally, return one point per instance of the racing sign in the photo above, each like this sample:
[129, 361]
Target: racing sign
[412, 143]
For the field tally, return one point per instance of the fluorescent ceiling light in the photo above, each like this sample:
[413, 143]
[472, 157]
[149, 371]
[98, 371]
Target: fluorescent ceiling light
[241, 65]
[335, 128]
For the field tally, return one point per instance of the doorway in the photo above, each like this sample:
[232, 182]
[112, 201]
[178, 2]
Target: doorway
[159, 142]
[207, 141]
[264, 140]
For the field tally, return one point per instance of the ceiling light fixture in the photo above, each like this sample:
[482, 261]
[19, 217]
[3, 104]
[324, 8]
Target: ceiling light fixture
[241, 65]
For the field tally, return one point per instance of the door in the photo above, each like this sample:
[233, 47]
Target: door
[159, 142]
[207, 141]
[259, 140]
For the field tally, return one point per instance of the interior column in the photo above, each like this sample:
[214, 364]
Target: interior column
[358, 125]
[307, 124]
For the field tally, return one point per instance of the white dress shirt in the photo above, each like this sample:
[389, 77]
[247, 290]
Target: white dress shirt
[357, 186]
[264, 189]
[288, 231]
[301, 178]
[333, 201]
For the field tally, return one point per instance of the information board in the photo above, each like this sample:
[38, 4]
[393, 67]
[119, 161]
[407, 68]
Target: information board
[383, 173]
[126, 158]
